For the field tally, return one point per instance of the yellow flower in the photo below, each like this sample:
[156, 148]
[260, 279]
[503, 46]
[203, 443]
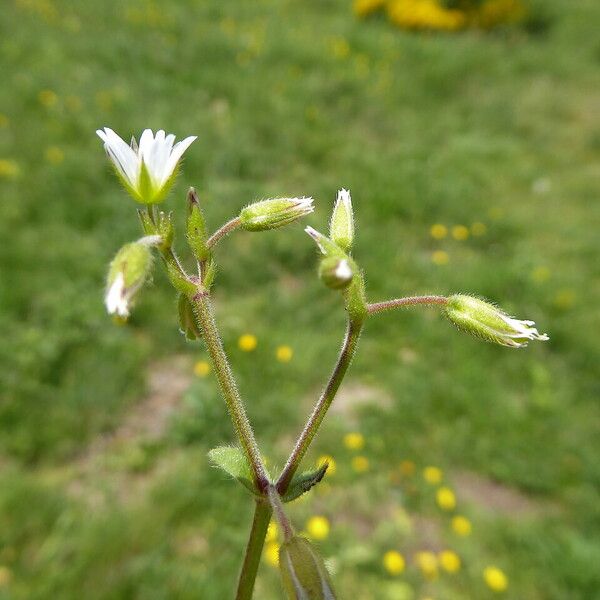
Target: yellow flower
[363, 8]
[495, 579]
[247, 342]
[460, 233]
[284, 354]
[54, 155]
[461, 525]
[564, 299]
[354, 441]
[450, 561]
[3, 120]
[9, 168]
[360, 464]
[202, 368]
[272, 532]
[5, 576]
[317, 527]
[272, 554]
[428, 563]
[440, 257]
[432, 475]
[407, 468]
[438, 231]
[445, 498]
[325, 458]
[47, 98]
[478, 229]
[393, 562]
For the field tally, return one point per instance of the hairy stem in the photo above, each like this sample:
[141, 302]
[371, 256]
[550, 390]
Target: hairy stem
[314, 421]
[260, 523]
[222, 232]
[204, 314]
[408, 301]
[279, 512]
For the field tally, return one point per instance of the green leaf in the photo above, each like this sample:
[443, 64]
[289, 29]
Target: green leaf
[305, 481]
[233, 462]
[187, 322]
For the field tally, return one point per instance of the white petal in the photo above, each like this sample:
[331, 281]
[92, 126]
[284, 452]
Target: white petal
[124, 158]
[344, 196]
[115, 300]
[146, 142]
[343, 270]
[178, 149]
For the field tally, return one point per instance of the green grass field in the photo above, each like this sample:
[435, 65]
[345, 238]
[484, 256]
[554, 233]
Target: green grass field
[105, 488]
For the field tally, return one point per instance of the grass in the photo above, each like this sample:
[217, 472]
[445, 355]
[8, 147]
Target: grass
[300, 99]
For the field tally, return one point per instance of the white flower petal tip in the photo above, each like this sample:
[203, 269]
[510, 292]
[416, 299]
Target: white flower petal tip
[146, 169]
[344, 271]
[343, 195]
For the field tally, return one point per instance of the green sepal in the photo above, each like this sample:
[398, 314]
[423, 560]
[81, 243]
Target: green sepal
[210, 272]
[187, 321]
[303, 571]
[232, 460]
[305, 481]
[165, 229]
[196, 228]
[145, 185]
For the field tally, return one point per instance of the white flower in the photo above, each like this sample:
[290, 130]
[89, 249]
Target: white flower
[116, 300]
[147, 170]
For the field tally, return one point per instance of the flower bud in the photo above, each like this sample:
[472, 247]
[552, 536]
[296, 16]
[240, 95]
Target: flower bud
[303, 572]
[277, 212]
[196, 228]
[484, 320]
[127, 273]
[341, 227]
[336, 272]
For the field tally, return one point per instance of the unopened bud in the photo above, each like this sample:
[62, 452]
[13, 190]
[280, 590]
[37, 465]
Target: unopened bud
[303, 572]
[127, 273]
[488, 322]
[277, 212]
[341, 227]
[336, 272]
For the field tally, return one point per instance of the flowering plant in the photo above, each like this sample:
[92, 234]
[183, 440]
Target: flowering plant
[147, 173]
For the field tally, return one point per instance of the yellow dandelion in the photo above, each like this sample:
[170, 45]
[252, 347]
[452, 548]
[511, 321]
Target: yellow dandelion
[478, 229]
[326, 458]
[272, 554]
[450, 561]
[427, 563]
[460, 233]
[440, 257]
[540, 274]
[9, 169]
[445, 498]
[438, 231]
[495, 579]
[354, 441]
[201, 368]
[247, 342]
[407, 468]
[5, 576]
[564, 299]
[360, 464]
[272, 532]
[461, 525]
[317, 527]
[393, 562]
[54, 155]
[284, 354]
[47, 98]
[432, 475]
[3, 120]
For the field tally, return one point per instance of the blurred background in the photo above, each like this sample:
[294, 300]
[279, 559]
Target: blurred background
[469, 136]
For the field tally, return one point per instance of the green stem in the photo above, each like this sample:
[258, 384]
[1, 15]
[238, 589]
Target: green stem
[223, 231]
[320, 410]
[260, 524]
[204, 314]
